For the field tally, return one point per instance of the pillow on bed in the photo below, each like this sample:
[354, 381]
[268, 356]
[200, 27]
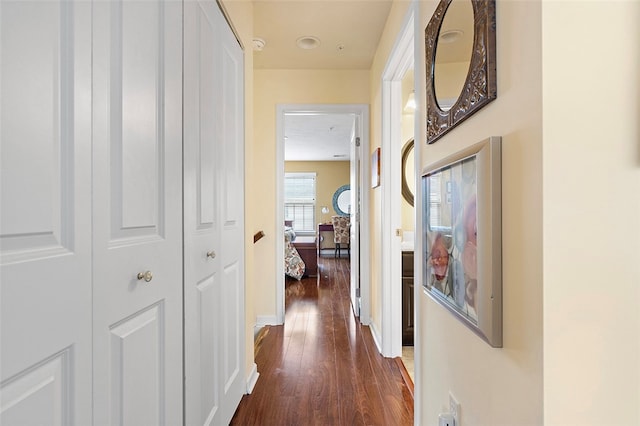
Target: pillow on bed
[289, 233]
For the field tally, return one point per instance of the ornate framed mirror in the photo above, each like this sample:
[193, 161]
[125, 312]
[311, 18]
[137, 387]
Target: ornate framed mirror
[460, 32]
[408, 172]
[342, 201]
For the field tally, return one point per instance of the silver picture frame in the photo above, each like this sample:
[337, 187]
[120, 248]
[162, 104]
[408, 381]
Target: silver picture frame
[462, 229]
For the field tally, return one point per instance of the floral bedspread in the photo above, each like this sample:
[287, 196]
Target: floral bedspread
[293, 264]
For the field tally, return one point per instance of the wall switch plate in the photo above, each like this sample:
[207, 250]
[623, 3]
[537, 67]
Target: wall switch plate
[454, 409]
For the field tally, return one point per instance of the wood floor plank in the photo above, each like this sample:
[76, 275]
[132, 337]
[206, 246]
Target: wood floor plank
[322, 366]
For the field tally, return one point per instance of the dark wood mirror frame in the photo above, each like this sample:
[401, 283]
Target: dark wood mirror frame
[480, 85]
[406, 191]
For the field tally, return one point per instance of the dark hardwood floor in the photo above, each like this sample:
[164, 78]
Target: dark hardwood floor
[322, 367]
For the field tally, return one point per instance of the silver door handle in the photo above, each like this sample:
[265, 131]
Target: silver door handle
[147, 276]
[211, 254]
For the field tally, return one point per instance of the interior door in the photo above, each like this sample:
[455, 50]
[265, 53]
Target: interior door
[354, 182]
[231, 124]
[213, 216]
[202, 291]
[137, 217]
[45, 202]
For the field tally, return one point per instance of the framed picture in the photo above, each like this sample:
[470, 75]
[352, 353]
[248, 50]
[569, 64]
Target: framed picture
[462, 226]
[375, 168]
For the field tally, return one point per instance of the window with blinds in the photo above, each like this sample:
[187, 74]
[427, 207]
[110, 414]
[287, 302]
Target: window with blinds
[300, 201]
[435, 200]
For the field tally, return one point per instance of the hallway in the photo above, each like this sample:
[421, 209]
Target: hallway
[322, 367]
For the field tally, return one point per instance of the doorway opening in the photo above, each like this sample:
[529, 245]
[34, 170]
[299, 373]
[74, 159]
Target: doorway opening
[292, 118]
[398, 217]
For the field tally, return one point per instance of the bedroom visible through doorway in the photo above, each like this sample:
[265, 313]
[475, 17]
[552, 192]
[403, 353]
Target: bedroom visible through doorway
[319, 149]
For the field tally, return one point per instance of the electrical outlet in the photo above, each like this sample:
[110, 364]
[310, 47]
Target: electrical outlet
[454, 409]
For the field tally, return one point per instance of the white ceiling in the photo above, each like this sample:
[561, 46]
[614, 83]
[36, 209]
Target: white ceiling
[357, 26]
[317, 137]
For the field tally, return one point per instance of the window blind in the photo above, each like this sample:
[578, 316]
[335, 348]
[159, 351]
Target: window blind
[300, 200]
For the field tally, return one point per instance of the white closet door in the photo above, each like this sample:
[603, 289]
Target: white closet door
[214, 221]
[231, 123]
[137, 220]
[202, 248]
[45, 234]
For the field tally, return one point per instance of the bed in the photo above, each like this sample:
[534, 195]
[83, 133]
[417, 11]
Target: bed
[293, 264]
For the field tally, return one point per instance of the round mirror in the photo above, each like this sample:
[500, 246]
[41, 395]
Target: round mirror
[408, 173]
[453, 53]
[342, 201]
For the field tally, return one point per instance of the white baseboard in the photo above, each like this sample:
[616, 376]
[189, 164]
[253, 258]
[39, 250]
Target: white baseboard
[376, 336]
[262, 320]
[253, 378]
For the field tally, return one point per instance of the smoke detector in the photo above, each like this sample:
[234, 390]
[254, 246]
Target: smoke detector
[258, 44]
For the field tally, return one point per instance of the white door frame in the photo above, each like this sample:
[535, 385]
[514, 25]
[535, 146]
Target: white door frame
[401, 59]
[362, 112]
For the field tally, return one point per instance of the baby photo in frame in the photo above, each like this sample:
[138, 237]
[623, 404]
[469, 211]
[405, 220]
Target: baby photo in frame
[463, 237]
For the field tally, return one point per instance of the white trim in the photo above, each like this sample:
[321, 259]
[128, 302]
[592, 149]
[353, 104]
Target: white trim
[401, 59]
[253, 378]
[264, 320]
[375, 334]
[365, 240]
[419, 140]
[362, 111]
[280, 214]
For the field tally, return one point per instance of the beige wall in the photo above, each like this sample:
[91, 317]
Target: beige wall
[591, 157]
[241, 15]
[330, 175]
[570, 286]
[497, 386]
[271, 88]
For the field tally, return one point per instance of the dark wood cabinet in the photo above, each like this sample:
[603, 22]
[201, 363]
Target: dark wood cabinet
[407, 298]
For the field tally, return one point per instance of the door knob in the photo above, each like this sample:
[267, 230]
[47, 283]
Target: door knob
[211, 254]
[147, 276]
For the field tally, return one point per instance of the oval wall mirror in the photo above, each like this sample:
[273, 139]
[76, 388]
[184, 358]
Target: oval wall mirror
[453, 53]
[408, 173]
[479, 87]
[342, 201]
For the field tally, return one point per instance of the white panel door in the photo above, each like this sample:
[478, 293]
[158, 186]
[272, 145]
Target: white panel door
[137, 217]
[214, 217]
[231, 124]
[202, 276]
[45, 225]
